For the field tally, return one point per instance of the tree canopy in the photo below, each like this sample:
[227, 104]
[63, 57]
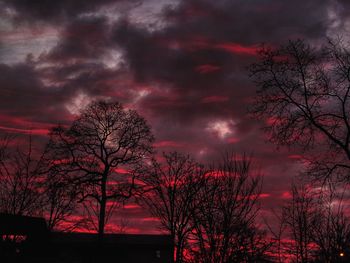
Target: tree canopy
[303, 94]
[103, 139]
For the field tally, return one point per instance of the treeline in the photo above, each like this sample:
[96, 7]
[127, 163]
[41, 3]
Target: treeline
[106, 157]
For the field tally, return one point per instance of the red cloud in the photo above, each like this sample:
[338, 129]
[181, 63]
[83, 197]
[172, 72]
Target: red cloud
[286, 195]
[23, 126]
[131, 206]
[295, 156]
[233, 140]
[26, 131]
[239, 49]
[264, 195]
[167, 144]
[206, 68]
[121, 171]
[150, 219]
[199, 43]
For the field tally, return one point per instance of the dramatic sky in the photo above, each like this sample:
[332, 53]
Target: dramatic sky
[181, 64]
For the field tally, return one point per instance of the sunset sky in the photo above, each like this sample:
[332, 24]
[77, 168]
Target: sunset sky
[180, 64]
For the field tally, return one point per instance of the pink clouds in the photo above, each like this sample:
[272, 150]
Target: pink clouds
[151, 219]
[131, 206]
[193, 44]
[286, 195]
[238, 49]
[23, 125]
[121, 170]
[233, 140]
[264, 195]
[206, 68]
[295, 156]
[42, 132]
[171, 144]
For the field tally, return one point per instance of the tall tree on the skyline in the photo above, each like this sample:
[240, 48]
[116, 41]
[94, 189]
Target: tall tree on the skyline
[304, 96]
[172, 187]
[224, 226]
[300, 216]
[104, 138]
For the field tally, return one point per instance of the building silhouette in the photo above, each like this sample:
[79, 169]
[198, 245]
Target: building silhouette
[27, 239]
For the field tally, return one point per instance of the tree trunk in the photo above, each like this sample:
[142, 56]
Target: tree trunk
[101, 222]
[179, 250]
[102, 217]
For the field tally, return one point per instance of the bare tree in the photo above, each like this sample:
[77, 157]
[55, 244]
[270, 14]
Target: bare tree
[303, 93]
[331, 234]
[103, 139]
[277, 227]
[59, 201]
[28, 185]
[313, 226]
[19, 183]
[300, 216]
[170, 194]
[224, 216]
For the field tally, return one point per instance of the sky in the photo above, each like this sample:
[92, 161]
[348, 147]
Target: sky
[182, 64]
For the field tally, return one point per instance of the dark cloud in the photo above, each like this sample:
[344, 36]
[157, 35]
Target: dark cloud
[82, 38]
[249, 21]
[53, 10]
[203, 53]
[23, 96]
[37, 99]
[220, 35]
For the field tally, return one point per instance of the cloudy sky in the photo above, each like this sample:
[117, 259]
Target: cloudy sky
[181, 64]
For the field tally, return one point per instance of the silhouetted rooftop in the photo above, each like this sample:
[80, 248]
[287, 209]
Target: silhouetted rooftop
[21, 225]
[40, 245]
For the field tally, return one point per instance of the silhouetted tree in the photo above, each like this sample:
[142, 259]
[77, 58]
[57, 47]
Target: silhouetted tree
[224, 216]
[312, 226]
[104, 138]
[28, 187]
[304, 93]
[171, 189]
[300, 216]
[19, 178]
[59, 201]
[277, 227]
[331, 232]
